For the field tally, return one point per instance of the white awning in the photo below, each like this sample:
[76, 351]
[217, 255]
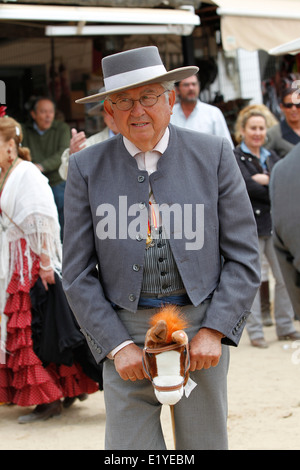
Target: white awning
[258, 24]
[291, 47]
[181, 21]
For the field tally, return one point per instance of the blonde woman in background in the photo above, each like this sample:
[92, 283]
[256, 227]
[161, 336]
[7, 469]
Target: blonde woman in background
[256, 163]
[271, 121]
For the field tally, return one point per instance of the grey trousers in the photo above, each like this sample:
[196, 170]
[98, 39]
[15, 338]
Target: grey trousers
[133, 412]
[283, 310]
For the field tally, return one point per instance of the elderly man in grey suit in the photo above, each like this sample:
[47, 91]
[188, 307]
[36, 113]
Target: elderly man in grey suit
[199, 252]
[285, 197]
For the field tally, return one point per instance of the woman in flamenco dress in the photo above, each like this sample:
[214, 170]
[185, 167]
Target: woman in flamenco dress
[30, 248]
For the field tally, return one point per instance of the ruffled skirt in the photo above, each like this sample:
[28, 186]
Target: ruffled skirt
[23, 379]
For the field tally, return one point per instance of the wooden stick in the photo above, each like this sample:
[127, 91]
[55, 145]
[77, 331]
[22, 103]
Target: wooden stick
[173, 424]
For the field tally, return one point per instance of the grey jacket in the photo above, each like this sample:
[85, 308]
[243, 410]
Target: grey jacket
[197, 170]
[278, 141]
[285, 196]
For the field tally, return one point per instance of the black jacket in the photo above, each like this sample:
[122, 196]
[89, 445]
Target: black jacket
[55, 333]
[259, 195]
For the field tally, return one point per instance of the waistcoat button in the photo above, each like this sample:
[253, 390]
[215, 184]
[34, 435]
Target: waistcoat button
[136, 267]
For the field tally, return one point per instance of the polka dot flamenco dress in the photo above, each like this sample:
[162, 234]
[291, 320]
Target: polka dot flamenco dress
[23, 379]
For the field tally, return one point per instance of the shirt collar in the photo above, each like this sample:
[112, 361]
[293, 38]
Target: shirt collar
[160, 147]
[264, 153]
[38, 130]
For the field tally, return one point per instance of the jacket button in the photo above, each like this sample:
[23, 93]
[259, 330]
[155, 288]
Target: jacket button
[142, 205]
[141, 179]
[257, 211]
[136, 267]
[131, 297]
[160, 245]
[139, 237]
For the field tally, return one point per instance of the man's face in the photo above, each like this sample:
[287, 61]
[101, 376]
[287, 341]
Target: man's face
[188, 90]
[143, 126]
[292, 114]
[44, 114]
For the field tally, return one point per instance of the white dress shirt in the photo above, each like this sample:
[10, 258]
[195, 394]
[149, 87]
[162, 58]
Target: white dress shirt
[204, 118]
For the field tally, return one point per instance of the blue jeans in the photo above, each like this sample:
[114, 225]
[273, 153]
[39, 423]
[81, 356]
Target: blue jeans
[59, 195]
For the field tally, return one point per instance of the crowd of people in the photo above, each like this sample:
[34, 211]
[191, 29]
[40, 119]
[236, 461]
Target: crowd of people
[51, 181]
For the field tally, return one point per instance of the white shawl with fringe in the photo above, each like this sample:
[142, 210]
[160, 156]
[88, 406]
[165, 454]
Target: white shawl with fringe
[28, 212]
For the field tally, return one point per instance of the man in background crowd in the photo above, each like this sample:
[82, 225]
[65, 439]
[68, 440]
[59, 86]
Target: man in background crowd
[193, 114]
[283, 136]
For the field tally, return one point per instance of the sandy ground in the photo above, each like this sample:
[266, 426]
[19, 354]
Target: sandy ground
[264, 407]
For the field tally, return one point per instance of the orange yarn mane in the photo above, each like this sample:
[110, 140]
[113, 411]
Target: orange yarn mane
[174, 319]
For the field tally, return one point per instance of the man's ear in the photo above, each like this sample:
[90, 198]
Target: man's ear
[172, 99]
[33, 114]
[108, 108]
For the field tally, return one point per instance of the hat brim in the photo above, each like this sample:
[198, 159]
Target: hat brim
[174, 75]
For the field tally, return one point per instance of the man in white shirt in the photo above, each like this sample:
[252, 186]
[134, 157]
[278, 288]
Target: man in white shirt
[191, 113]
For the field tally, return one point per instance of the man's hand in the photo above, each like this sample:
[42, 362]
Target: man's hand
[205, 349]
[129, 364]
[77, 141]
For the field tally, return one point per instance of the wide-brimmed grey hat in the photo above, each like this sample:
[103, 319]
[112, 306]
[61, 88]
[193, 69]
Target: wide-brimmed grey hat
[134, 68]
[98, 108]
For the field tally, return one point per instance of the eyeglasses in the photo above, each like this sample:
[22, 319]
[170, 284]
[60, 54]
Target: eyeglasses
[290, 105]
[124, 104]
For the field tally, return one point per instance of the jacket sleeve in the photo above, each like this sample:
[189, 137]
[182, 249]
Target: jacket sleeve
[286, 232]
[276, 142]
[98, 320]
[290, 271]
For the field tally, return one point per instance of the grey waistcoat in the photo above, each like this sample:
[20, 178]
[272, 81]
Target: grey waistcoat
[160, 275]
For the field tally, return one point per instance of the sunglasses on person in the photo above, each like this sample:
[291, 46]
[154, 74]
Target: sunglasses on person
[290, 105]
